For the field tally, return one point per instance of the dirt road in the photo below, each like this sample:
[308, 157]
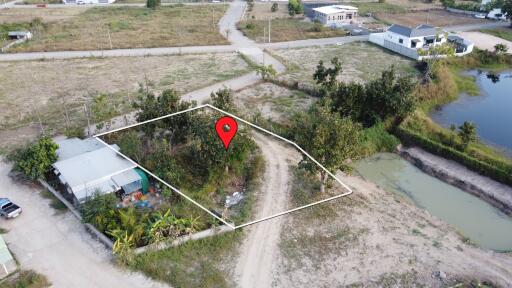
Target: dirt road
[57, 245]
[258, 252]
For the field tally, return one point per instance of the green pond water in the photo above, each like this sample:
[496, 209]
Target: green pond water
[482, 223]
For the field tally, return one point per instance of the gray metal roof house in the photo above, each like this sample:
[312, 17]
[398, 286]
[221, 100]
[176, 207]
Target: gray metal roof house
[87, 167]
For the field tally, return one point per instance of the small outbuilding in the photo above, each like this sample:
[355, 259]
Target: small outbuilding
[7, 262]
[87, 167]
[17, 35]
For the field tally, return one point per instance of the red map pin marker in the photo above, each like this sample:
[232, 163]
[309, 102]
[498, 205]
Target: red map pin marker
[226, 128]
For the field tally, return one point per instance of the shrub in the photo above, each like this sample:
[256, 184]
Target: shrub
[250, 26]
[37, 159]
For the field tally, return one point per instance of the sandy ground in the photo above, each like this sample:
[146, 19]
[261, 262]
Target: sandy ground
[272, 101]
[256, 262]
[57, 245]
[485, 41]
[373, 238]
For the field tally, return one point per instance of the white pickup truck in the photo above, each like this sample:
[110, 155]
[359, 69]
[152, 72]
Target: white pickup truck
[9, 209]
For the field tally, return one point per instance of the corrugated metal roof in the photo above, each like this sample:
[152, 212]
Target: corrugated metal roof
[72, 147]
[5, 255]
[126, 177]
[92, 169]
[420, 31]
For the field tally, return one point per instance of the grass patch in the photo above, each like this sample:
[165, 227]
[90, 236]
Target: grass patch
[55, 203]
[25, 279]
[377, 139]
[3, 230]
[130, 27]
[287, 30]
[193, 264]
[373, 7]
[503, 33]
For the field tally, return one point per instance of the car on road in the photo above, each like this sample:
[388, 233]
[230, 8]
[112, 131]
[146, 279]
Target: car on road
[480, 16]
[9, 209]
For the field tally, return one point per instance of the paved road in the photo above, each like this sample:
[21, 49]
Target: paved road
[58, 245]
[469, 27]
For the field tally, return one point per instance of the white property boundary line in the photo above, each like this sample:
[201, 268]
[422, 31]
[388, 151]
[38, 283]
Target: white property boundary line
[248, 123]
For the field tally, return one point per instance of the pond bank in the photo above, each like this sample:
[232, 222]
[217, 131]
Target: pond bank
[497, 194]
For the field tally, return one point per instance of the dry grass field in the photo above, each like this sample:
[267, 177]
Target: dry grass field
[46, 15]
[261, 11]
[272, 101]
[129, 27]
[33, 89]
[287, 30]
[436, 17]
[360, 61]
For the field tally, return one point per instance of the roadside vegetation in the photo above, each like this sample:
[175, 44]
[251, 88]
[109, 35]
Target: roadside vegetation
[113, 27]
[503, 33]
[25, 279]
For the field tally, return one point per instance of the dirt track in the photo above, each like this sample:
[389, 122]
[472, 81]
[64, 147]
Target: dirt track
[58, 246]
[259, 250]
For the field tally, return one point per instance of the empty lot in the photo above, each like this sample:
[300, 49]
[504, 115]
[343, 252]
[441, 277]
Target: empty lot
[44, 88]
[360, 61]
[435, 17]
[127, 27]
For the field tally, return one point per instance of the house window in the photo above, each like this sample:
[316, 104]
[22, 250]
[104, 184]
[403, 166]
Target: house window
[349, 16]
[401, 41]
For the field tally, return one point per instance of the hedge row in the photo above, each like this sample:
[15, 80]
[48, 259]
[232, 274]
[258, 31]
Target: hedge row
[411, 138]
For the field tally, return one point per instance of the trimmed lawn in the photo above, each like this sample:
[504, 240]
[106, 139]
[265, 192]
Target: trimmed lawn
[130, 27]
[288, 29]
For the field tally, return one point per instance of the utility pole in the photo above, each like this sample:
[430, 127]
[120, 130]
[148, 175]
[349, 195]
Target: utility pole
[269, 20]
[109, 39]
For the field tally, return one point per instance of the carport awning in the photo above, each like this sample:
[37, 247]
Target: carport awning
[415, 40]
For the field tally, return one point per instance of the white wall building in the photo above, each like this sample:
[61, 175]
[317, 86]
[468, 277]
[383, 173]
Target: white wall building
[336, 15]
[407, 41]
[88, 1]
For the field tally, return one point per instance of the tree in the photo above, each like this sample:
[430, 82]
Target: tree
[102, 110]
[328, 138]
[153, 3]
[295, 7]
[274, 7]
[266, 71]
[176, 127]
[223, 99]
[131, 145]
[500, 48]
[387, 96]
[448, 3]
[467, 133]
[37, 159]
[432, 56]
[163, 163]
[507, 9]
[326, 77]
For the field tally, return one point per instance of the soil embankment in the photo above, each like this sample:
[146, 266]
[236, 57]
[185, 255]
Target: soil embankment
[493, 192]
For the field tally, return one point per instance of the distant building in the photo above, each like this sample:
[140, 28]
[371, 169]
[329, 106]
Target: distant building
[87, 167]
[88, 1]
[336, 15]
[408, 41]
[7, 263]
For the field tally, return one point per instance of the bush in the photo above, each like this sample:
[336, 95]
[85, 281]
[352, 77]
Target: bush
[26, 279]
[153, 3]
[35, 160]
[250, 26]
[492, 168]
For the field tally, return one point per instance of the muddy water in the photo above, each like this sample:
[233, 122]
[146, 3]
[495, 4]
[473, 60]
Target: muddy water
[474, 218]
